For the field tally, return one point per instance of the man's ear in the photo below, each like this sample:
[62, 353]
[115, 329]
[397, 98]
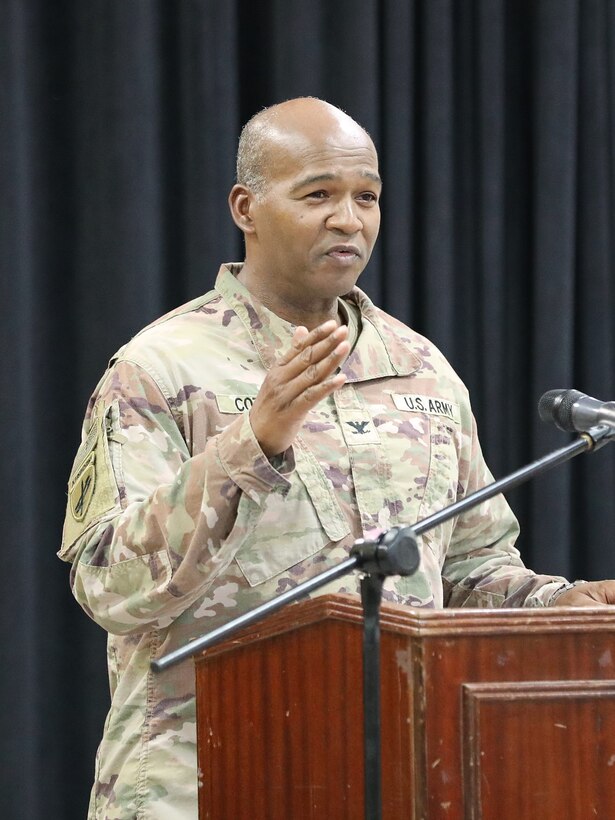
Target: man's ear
[241, 201]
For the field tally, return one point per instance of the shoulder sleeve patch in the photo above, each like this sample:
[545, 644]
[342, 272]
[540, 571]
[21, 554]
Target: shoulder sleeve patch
[92, 488]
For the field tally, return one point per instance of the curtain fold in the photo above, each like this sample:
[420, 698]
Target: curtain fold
[119, 123]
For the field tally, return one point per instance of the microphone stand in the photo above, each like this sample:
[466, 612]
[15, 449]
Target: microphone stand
[395, 552]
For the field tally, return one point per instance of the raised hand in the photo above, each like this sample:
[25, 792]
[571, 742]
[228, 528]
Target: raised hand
[302, 377]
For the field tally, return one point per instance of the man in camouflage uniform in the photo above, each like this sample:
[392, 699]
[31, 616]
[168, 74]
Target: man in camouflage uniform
[240, 444]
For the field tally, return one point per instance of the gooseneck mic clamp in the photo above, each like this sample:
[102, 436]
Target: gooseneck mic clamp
[395, 552]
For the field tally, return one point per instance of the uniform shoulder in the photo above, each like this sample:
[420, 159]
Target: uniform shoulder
[193, 323]
[202, 306]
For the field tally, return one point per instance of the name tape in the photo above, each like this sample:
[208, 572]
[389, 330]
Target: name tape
[234, 404]
[414, 403]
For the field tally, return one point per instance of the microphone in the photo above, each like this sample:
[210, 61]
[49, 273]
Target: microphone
[573, 411]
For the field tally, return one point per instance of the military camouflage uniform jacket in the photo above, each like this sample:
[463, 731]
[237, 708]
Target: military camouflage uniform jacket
[177, 521]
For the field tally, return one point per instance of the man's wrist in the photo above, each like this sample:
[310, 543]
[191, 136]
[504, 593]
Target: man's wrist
[564, 588]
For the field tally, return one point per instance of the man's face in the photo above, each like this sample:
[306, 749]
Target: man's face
[316, 224]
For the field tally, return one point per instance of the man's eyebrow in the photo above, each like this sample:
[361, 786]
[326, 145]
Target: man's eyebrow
[315, 178]
[371, 175]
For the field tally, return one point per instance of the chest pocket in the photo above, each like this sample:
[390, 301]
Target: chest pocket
[441, 485]
[423, 451]
[286, 530]
[443, 471]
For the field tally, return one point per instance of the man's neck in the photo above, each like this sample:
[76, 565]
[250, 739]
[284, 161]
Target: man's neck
[310, 315]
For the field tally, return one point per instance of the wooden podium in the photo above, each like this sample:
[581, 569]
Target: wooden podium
[492, 714]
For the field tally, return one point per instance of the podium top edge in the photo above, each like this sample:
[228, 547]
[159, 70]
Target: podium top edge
[423, 622]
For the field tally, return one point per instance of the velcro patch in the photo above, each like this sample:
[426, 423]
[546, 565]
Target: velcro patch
[234, 404]
[358, 427]
[82, 490]
[414, 403]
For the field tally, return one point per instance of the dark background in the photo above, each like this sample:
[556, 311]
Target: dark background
[118, 127]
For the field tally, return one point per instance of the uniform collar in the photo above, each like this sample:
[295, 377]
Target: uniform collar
[384, 346]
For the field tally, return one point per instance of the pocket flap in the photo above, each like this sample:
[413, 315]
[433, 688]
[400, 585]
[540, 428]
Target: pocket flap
[288, 529]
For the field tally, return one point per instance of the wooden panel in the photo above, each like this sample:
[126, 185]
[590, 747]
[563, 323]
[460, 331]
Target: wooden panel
[539, 750]
[448, 662]
[279, 725]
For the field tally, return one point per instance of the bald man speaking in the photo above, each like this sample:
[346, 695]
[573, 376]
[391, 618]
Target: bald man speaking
[241, 443]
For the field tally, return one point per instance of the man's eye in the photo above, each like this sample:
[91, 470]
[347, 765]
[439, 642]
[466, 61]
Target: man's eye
[317, 195]
[368, 196]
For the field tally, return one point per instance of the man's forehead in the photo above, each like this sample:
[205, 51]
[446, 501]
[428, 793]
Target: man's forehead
[298, 154]
[308, 178]
[319, 135]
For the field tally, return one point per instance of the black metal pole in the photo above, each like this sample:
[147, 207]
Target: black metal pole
[371, 595]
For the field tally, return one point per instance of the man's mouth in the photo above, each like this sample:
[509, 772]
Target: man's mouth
[344, 253]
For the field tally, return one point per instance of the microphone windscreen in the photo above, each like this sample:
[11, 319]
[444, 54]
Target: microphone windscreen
[547, 403]
[556, 406]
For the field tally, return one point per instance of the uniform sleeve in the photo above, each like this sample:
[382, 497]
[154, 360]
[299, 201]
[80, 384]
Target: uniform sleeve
[483, 568]
[149, 526]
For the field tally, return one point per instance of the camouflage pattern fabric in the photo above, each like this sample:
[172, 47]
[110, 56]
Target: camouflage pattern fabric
[177, 521]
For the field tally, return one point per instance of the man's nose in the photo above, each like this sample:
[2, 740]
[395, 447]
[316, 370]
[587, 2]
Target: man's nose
[345, 217]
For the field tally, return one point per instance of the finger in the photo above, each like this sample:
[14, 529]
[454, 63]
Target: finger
[312, 354]
[300, 335]
[315, 393]
[318, 350]
[316, 374]
[303, 339]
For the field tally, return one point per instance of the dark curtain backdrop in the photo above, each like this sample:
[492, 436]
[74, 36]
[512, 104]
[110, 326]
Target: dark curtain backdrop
[118, 126]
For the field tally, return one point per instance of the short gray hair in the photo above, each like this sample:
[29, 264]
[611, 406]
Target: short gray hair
[251, 152]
